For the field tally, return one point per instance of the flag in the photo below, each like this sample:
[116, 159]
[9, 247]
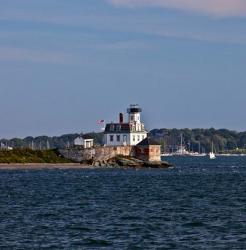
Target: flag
[100, 121]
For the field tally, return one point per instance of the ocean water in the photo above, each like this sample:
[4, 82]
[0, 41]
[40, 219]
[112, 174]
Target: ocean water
[199, 204]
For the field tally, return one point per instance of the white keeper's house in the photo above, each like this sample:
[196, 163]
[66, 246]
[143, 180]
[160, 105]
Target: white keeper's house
[128, 133]
[84, 141]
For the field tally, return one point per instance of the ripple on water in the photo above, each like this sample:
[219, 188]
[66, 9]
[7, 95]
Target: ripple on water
[197, 205]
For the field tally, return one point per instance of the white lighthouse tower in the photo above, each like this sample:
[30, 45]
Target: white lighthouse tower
[134, 119]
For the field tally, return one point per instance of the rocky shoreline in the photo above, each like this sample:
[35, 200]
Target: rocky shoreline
[130, 162]
[114, 162]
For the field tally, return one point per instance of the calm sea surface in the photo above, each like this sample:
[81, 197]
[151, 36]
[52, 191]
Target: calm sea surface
[200, 204]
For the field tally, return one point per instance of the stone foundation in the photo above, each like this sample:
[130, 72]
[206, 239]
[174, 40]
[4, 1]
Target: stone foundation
[103, 154]
[97, 153]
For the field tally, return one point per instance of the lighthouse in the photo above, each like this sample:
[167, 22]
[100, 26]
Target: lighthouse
[134, 114]
[126, 133]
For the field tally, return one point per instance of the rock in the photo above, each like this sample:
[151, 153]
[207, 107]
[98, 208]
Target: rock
[96, 164]
[136, 163]
[123, 162]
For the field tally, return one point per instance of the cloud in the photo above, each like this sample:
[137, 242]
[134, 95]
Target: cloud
[18, 54]
[117, 45]
[211, 7]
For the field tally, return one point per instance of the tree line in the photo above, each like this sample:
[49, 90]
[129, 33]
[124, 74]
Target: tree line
[196, 140]
[193, 139]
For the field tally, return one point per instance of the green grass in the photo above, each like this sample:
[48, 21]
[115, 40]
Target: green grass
[31, 156]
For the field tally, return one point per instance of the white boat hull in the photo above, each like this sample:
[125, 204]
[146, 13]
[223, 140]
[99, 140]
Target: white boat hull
[211, 156]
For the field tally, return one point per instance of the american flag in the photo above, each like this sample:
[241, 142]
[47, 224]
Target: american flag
[100, 121]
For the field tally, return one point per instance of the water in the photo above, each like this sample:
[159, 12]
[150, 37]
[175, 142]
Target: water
[200, 204]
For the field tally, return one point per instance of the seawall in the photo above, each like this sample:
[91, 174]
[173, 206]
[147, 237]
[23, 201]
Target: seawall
[97, 154]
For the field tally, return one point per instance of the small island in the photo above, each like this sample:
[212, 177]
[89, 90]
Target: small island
[126, 144]
[35, 159]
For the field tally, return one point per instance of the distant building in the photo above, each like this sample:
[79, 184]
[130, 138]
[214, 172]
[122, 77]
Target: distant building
[5, 147]
[128, 133]
[148, 150]
[84, 141]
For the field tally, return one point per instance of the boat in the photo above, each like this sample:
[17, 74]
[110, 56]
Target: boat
[166, 154]
[196, 154]
[181, 150]
[212, 154]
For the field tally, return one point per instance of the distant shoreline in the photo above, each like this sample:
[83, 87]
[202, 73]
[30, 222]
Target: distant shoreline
[26, 166]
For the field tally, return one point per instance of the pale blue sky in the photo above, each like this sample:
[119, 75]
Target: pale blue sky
[66, 64]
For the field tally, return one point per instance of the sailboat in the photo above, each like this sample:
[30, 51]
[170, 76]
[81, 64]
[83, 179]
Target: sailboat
[212, 154]
[181, 150]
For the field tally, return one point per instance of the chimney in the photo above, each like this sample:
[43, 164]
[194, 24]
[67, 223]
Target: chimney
[121, 118]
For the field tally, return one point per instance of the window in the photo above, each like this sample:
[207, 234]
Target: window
[124, 138]
[138, 137]
[111, 138]
[118, 137]
[111, 127]
[143, 137]
[133, 138]
[132, 118]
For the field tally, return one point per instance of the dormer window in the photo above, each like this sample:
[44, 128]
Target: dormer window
[111, 127]
[118, 128]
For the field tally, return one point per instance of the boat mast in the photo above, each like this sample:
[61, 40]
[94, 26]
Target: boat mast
[181, 143]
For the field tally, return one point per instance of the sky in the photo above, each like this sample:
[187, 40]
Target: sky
[66, 64]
